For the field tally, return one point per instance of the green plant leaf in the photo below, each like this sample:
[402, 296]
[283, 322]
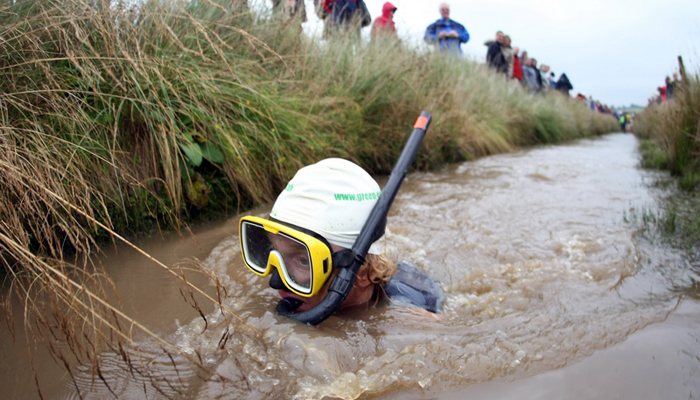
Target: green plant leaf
[198, 138]
[211, 152]
[193, 153]
[186, 170]
[187, 137]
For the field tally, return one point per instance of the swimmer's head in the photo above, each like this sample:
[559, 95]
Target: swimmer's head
[333, 198]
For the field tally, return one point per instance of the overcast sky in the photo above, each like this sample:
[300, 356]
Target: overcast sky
[618, 51]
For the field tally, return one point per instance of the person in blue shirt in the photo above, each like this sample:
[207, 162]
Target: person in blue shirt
[446, 33]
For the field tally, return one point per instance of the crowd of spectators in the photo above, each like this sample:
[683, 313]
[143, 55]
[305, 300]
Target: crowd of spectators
[668, 90]
[506, 59]
[448, 36]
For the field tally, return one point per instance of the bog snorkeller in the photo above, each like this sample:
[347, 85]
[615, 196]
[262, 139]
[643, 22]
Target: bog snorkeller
[312, 244]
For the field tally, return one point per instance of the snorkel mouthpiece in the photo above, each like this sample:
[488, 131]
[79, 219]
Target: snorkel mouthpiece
[347, 268]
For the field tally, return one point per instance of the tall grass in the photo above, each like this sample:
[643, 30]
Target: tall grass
[673, 128]
[118, 120]
[671, 141]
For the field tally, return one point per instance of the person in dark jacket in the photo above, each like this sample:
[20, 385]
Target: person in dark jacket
[342, 16]
[494, 53]
[563, 85]
[446, 33]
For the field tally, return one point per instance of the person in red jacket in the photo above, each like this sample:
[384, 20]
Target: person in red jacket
[384, 25]
[517, 67]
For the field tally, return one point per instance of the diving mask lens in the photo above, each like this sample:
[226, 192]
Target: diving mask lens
[302, 260]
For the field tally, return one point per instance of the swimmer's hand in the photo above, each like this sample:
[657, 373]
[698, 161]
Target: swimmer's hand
[425, 313]
[422, 313]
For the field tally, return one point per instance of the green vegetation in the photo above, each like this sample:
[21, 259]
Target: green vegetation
[670, 134]
[124, 121]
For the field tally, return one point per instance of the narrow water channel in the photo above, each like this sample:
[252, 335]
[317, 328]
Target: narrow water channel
[552, 292]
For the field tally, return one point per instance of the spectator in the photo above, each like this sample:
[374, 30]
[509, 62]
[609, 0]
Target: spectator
[448, 34]
[494, 53]
[529, 76]
[289, 9]
[507, 55]
[662, 94]
[552, 81]
[564, 85]
[532, 76]
[538, 74]
[544, 69]
[517, 67]
[669, 88]
[384, 25]
[341, 16]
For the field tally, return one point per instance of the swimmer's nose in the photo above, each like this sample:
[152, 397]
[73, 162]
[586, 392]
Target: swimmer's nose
[276, 281]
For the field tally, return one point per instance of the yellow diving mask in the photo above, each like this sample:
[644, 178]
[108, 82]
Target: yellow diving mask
[302, 257]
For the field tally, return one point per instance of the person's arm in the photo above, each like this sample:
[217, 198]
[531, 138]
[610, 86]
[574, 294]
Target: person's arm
[463, 34]
[411, 286]
[431, 34]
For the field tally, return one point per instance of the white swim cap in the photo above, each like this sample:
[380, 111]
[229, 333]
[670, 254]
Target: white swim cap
[333, 198]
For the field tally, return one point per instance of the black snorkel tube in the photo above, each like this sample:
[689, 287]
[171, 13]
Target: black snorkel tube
[353, 259]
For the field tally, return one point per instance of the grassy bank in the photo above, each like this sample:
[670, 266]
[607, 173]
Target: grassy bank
[145, 118]
[670, 134]
[124, 121]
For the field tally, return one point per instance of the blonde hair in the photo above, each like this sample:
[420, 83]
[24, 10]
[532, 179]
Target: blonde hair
[378, 268]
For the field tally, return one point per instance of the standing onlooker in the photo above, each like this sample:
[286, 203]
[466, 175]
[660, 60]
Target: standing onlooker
[532, 76]
[676, 81]
[669, 88]
[552, 81]
[341, 15]
[507, 55]
[289, 9]
[538, 74]
[564, 85]
[448, 34]
[517, 66]
[623, 122]
[494, 53]
[543, 77]
[384, 25]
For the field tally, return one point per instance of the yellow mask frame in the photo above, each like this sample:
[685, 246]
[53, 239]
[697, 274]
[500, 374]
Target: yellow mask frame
[302, 258]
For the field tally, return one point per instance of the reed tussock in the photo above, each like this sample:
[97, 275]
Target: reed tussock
[670, 133]
[117, 120]
[673, 129]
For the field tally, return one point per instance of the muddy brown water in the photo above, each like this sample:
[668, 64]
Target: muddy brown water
[551, 292]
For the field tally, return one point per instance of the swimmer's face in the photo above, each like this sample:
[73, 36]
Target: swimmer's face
[297, 263]
[296, 259]
[361, 292]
